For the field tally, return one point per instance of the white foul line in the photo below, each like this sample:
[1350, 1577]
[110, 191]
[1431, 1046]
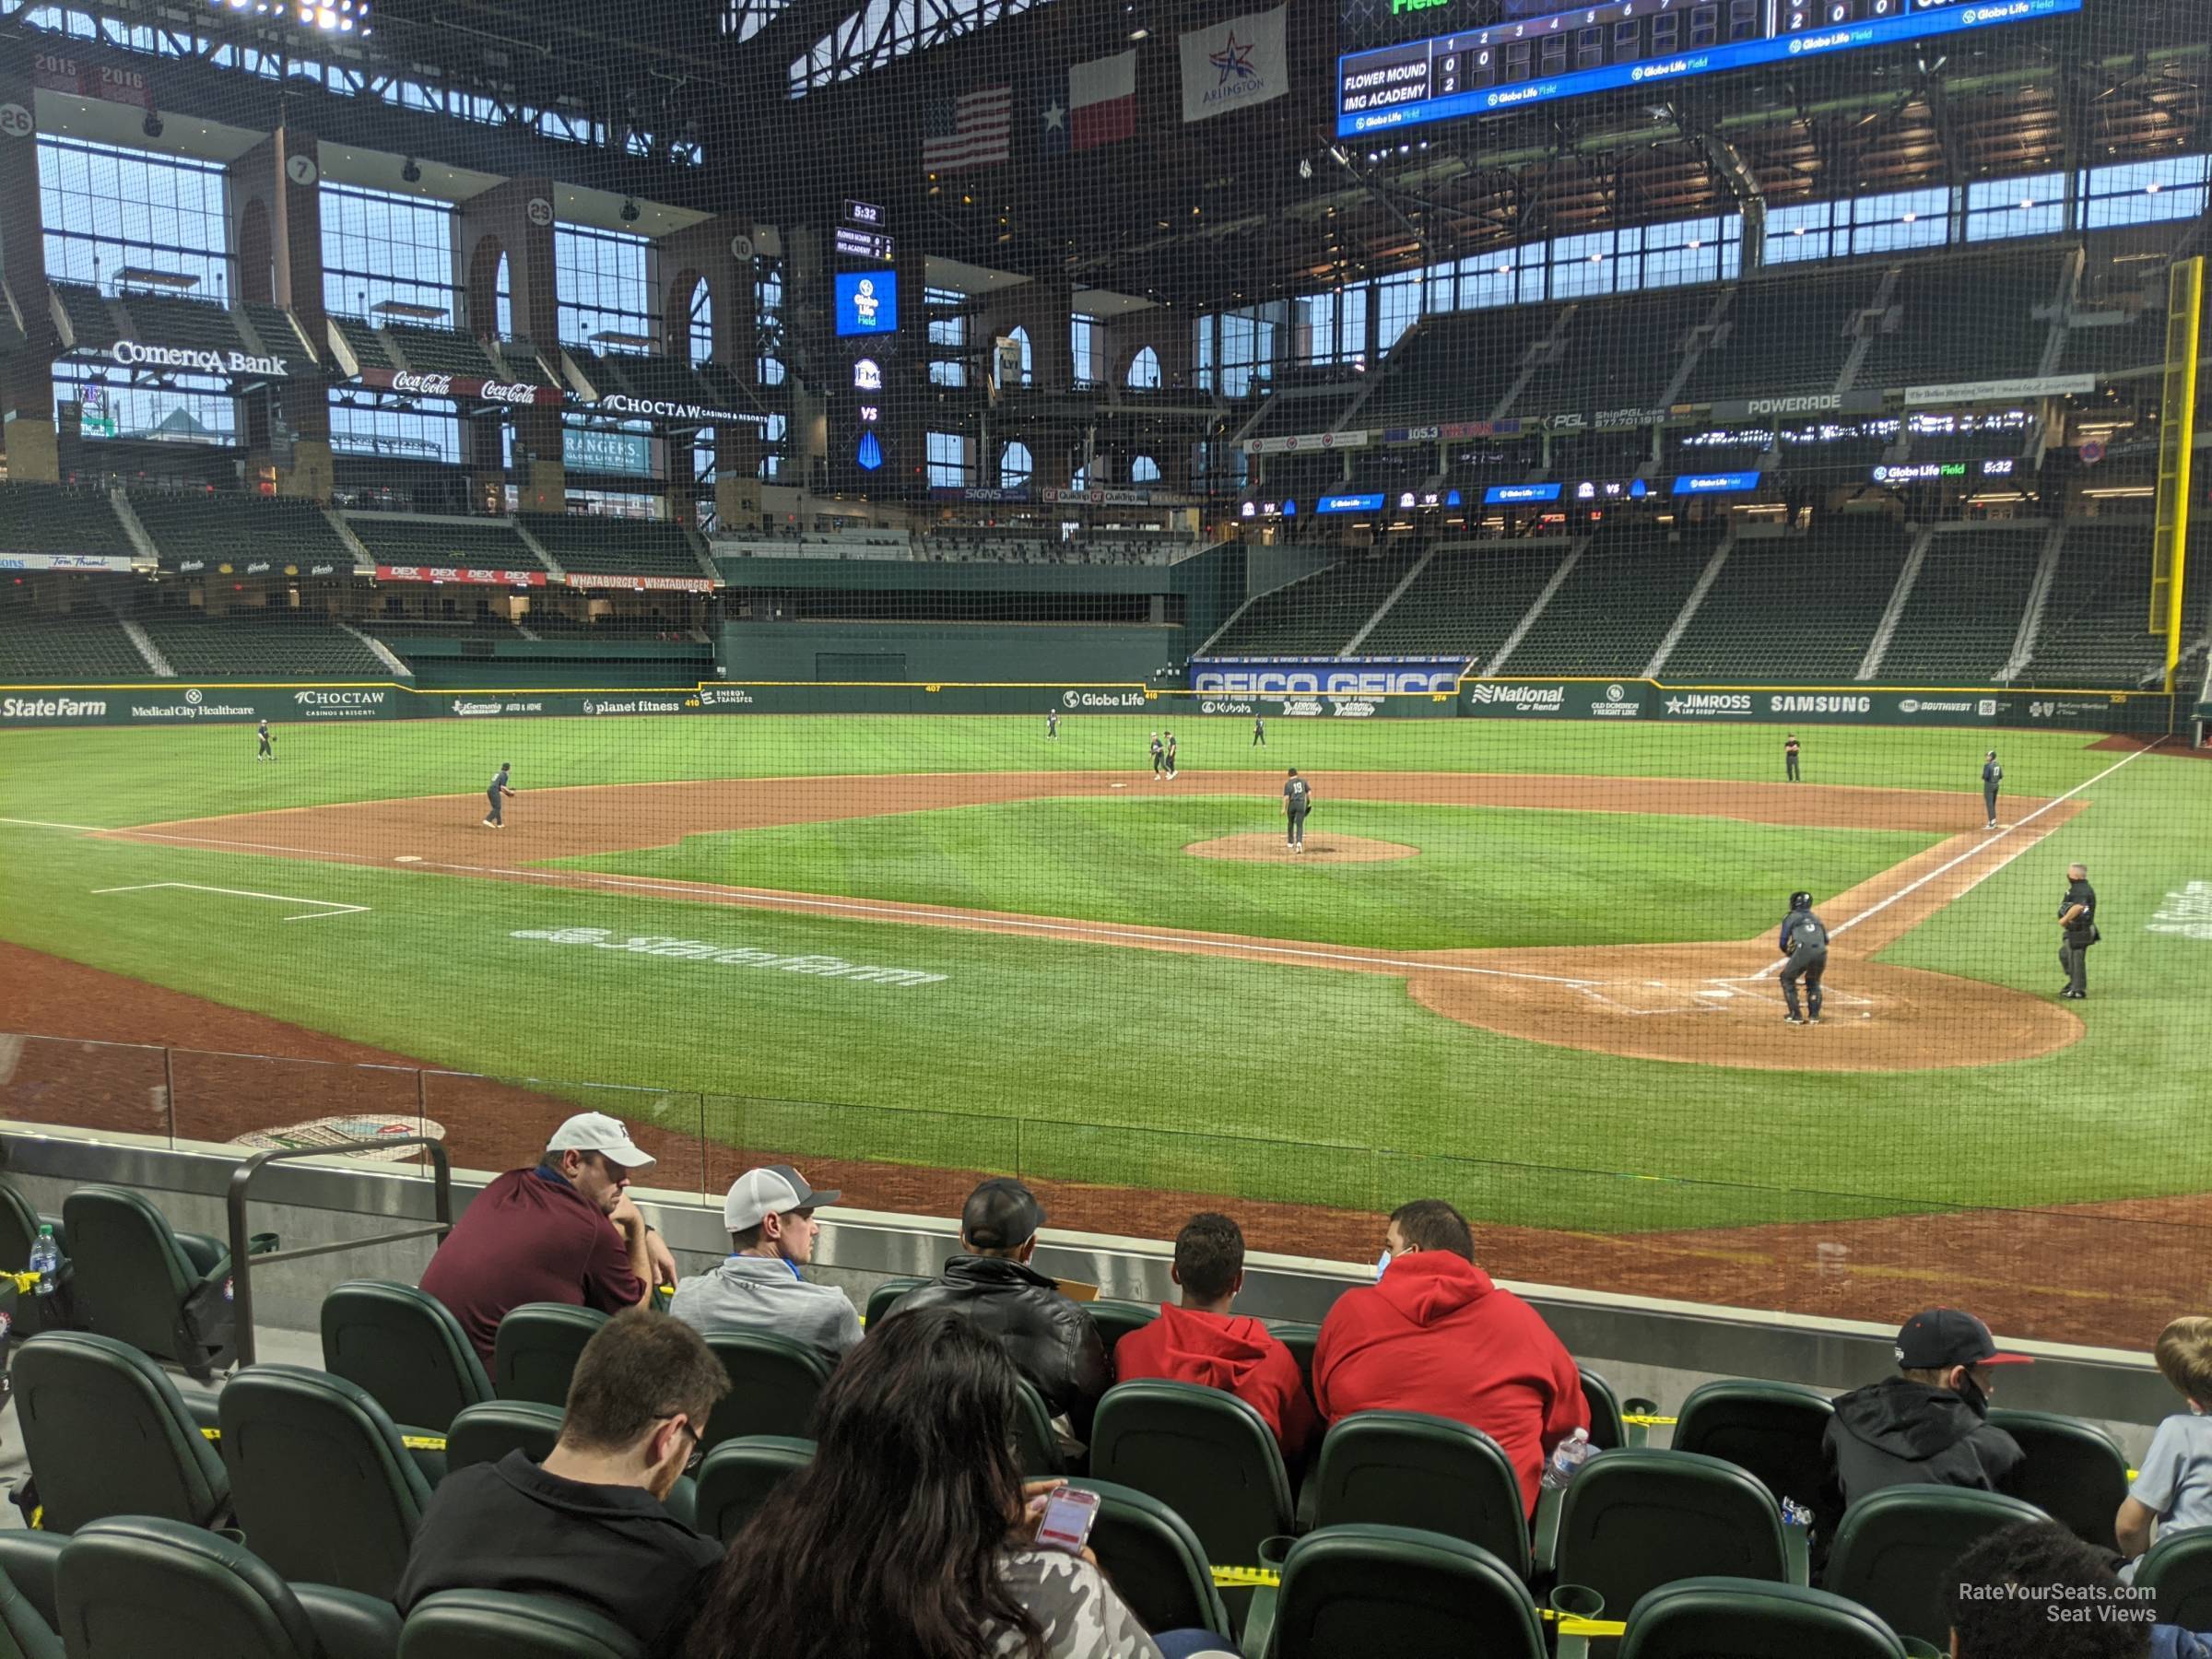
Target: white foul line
[330, 907]
[45, 824]
[1918, 882]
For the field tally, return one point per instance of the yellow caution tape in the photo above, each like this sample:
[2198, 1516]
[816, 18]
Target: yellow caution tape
[1650, 1422]
[414, 1442]
[25, 1282]
[1245, 1578]
[1572, 1626]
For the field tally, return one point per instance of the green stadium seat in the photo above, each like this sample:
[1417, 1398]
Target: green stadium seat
[135, 1588]
[487, 1432]
[534, 1352]
[1397, 1591]
[108, 1434]
[143, 1282]
[1406, 1468]
[1639, 1517]
[1154, 1559]
[2074, 1472]
[2179, 1568]
[403, 1345]
[19, 1225]
[738, 1475]
[27, 1614]
[1036, 1443]
[1606, 1429]
[1299, 1338]
[775, 1382]
[1205, 1453]
[1115, 1319]
[495, 1624]
[1746, 1619]
[1894, 1548]
[1774, 1430]
[885, 1296]
[322, 1482]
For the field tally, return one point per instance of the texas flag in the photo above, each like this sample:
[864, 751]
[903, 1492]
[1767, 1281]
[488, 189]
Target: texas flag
[1101, 106]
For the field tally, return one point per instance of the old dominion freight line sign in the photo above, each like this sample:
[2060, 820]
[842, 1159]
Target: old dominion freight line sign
[1326, 689]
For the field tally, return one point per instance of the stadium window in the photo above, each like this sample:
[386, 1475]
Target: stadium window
[1487, 279]
[767, 319]
[378, 246]
[700, 333]
[1801, 232]
[1397, 308]
[1902, 219]
[1080, 477]
[1581, 266]
[1143, 470]
[359, 427]
[2141, 192]
[1247, 352]
[947, 459]
[1015, 465]
[604, 284]
[947, 336]
[772, 435]
[1998, 208]
[1082, 344]
[1203, 343]
[1698, 250]
[502, 299]
[104, 208]
[1144, 370]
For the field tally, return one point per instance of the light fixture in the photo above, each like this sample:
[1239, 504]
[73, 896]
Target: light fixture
[1139, 32]
[410, 174]
[151, 125]
[630, 210]
[147, 277]
[407, 309]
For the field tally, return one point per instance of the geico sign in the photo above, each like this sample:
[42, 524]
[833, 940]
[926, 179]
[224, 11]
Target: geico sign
[131, 354]
[50, 707]
[1355, 682]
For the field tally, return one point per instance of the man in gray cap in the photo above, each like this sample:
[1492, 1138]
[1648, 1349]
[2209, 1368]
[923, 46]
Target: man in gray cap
[769, 1212]
[1051, 1339]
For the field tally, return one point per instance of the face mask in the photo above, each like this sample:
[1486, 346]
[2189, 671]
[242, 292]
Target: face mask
[1382, 1263]
[1970, 1391]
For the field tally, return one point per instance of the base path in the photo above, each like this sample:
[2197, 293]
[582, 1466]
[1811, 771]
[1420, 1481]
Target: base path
[1704, 1003]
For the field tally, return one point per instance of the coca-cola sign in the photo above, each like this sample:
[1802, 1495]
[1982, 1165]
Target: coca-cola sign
[413, 384]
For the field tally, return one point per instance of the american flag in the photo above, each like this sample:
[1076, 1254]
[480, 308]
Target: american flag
[972, 129]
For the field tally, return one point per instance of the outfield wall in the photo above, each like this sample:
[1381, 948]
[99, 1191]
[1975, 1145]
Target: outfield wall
[169, 703]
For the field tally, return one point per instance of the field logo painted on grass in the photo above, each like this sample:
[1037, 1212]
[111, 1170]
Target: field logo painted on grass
[2187, 913]
[702, 950]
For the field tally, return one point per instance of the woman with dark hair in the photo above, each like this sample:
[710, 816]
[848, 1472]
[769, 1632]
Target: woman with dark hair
[911, 1534]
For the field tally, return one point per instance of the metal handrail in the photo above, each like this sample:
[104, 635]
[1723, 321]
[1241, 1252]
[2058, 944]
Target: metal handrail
[242, 1261]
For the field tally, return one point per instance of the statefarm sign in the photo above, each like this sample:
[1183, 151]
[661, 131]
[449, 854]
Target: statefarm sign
[461, 386]
[461, 577]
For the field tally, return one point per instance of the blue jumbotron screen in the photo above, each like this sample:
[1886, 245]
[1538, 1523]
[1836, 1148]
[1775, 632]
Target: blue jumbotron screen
[1533, 59]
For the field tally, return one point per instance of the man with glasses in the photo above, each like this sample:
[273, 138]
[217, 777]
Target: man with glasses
[1926, 1426]
[565, 1231]
[588, 1524]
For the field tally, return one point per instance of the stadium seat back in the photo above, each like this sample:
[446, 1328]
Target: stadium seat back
[1036, 1444]
[1299, 1338]
[136, 1274]
[322, 1482]
[1636, 1518]
[1606, 1429]
[20, 1226]
[1773, 1430]
[108, 1434]
[2074, 1472]
[885, 1296]
[1894, 1549]
[775, 1382]
[1406, 1468]
[1155, 1560]
[1393, 1590]
[535, 1353]
[135, 1587]
[738, 1475]
[2179, 1568]
[1744, 1619]
[1115, 1319]
[487, 1432]
[25, 1632]
[1205, 1453]
[403, 1345]
[477, 1624]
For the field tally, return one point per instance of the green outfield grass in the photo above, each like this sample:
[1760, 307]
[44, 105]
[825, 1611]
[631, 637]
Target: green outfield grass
[1483, 877]
[1117, 1065]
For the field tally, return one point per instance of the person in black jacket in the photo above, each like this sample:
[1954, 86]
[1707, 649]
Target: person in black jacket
[1052, 1341]
[2077, 931]
[1926, 1426]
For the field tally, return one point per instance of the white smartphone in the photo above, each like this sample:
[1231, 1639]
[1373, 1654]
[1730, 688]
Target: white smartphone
[1068, 1514]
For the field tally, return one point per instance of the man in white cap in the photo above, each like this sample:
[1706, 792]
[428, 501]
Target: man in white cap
[769, 1212]
[563, 1232]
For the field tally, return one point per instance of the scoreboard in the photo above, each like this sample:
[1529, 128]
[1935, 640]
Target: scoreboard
[1525, 51]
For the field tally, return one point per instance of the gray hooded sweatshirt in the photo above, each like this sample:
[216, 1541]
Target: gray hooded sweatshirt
[766, 1293]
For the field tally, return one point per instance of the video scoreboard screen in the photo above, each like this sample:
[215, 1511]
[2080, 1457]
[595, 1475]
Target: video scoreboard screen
[1500, 54]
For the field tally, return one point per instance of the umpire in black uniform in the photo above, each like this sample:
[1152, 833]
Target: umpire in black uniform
[1805, 941]
[2078, 931]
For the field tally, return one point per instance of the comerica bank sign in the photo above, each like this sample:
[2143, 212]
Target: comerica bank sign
[137, 354]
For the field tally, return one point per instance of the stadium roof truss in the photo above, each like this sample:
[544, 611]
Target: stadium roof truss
[884, 30]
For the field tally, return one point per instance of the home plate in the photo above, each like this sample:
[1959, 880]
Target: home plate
[1717, 994]
[406, 858]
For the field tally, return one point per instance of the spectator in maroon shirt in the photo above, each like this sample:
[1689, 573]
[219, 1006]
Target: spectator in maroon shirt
[563, 1232]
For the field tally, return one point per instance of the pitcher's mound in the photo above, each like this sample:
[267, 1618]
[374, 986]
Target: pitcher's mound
[1320, 849]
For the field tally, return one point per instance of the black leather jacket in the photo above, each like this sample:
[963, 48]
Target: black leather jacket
[1051, 1339]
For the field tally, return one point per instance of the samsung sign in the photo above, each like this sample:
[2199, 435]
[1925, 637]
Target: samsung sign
[1310, 677]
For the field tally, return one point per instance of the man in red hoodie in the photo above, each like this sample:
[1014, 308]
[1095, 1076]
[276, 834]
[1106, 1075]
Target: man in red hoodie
[1202, 1342]
[1435, 1335]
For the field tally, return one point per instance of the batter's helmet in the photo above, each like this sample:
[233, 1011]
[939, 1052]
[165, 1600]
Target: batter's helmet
[1801, 901]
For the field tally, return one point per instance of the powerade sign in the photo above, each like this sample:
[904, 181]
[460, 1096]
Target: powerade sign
[867, 303]
[1350, 503]
[1729, 483]
[1240, 676]
[1512, 495]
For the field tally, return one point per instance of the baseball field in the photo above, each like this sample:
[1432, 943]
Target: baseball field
[1526, 965]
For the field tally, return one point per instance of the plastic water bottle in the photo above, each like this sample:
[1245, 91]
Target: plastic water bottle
[1567, 1457]
[46, 1261]
[1795, 1513]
